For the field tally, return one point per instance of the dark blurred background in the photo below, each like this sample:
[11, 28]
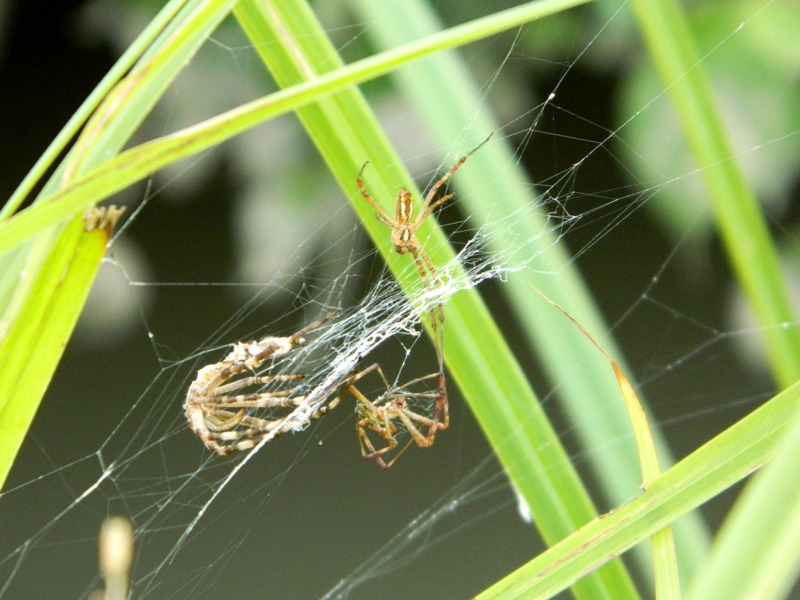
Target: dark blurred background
[308, 512]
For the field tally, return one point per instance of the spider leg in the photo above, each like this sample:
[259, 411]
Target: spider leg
[255, 361]
[220, 437]
[422, 260]
[368, 451]
[439, 202]
[429, 205]
[223, 420]
[377, 455]
[297, 338]
[224, 443]
[377, 420]
[276, 345]
[435, 424]
[442, 405]
[256, 380]
[382, 215]
[436, 316]
[363, 373]
[224, 374]
[257, 400]
[408, 384]
[221, 430]
[257, 424]
[374, 418]
[441, 416]
[408, 417]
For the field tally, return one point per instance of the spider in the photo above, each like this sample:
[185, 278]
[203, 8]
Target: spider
[220, 419]
[379, 416]
[404, 226]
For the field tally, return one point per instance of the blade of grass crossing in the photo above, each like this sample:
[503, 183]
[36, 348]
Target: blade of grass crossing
[747, 239]
[755, 553]
[605, 431]
[30, 354]
[477, 355]
[708, 471]
[87, 106]
[62, 263]
[141, 161]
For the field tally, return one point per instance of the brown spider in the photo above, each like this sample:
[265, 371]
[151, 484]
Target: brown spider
[379, 416]
[404, 226]
[221, 420]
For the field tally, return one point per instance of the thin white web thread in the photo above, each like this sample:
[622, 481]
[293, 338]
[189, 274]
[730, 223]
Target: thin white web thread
[343, 360]
[348, 358]
[384, 315]
[407, 545]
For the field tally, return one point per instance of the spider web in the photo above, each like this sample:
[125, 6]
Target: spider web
[304, 516]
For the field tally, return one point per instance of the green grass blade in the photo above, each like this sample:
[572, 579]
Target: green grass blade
[605, 433]
[80, 117]
[126, 106]
[292, 43]
[34, 344]
[713, 468]
[747, 239]
[59, 267]
[755, 553]
[667, 581]
[108, 130]
[137, 163]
